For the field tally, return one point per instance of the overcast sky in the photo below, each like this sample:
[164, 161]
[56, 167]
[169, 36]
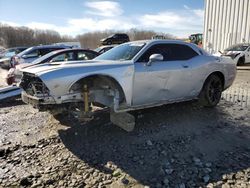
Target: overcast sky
[71, 17]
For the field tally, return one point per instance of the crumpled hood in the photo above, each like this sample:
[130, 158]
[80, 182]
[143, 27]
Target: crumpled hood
[231, 52]
[49, 67]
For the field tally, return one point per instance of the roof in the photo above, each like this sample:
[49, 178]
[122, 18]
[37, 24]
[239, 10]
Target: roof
[50, 46]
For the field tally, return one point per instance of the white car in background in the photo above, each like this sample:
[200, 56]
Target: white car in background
[240, 53]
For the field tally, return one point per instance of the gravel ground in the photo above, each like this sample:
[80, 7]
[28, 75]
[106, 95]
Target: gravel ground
[181, 145]
[3, 74]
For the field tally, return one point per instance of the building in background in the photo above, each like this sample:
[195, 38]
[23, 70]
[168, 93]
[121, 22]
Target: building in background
[227, 22]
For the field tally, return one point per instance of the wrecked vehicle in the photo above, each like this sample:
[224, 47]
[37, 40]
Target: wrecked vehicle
[240, 53]
[131, 76]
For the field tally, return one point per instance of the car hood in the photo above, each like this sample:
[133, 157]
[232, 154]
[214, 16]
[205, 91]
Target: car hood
[49, 67]
[231, 52]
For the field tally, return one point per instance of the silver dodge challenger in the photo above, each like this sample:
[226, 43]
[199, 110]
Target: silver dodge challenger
[131, 76]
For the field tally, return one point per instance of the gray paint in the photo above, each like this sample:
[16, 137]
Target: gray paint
[226, 22]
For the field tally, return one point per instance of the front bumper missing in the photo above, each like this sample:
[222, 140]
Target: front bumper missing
[36, 101]
[32, 100]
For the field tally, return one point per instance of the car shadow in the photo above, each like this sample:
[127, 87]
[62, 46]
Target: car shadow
[11, 102]
[174, 134]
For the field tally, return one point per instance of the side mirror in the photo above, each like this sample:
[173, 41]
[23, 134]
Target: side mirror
[154, 58]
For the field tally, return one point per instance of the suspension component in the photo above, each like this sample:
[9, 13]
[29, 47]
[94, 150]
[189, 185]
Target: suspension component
[86, 98]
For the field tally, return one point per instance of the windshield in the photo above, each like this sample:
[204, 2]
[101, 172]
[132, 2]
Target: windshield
[122, 52]
[10, 54]
[237, 48]
[25, 51]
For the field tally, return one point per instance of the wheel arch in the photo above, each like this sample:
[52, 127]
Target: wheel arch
[219, 74]
[106, 78]
[241, 58]
[203, 96]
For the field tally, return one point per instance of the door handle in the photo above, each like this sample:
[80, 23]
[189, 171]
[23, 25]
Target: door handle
[185, 66]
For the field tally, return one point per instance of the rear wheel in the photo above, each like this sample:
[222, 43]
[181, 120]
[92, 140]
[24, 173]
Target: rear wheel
[211, 91]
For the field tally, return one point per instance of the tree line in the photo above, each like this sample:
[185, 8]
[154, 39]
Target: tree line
[23, 36]
[92, 39]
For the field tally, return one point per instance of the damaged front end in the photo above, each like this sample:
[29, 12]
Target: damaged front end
[37, 94]
[34, 91]
[96, 90]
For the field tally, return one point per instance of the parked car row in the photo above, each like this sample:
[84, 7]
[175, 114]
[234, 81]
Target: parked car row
[6, 56]
[57, 56]
[22, 57]
[38, 55]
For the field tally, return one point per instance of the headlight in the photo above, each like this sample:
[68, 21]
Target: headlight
[233, 56]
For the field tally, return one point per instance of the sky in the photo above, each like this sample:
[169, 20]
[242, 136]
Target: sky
[72, 17]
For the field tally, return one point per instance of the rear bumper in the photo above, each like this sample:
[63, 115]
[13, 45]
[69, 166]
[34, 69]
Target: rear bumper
[230, 77]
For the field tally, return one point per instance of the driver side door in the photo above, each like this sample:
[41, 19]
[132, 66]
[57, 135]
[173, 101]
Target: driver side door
[167, 80]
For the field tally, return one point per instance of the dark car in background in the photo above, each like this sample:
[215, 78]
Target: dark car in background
[117, 38]
[66, 55]
[33, 53]
[6, 55]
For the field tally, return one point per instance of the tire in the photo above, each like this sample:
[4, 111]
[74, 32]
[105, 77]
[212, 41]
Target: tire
[241, 61]
[211, 91]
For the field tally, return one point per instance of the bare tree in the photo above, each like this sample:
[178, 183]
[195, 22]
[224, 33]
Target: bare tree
[23, 36]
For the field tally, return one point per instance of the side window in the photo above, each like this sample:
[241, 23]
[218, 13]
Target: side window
[183, 52]
[63, 57]
[170, 52]
[82, 56]
[85, 56]
[162, 49]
